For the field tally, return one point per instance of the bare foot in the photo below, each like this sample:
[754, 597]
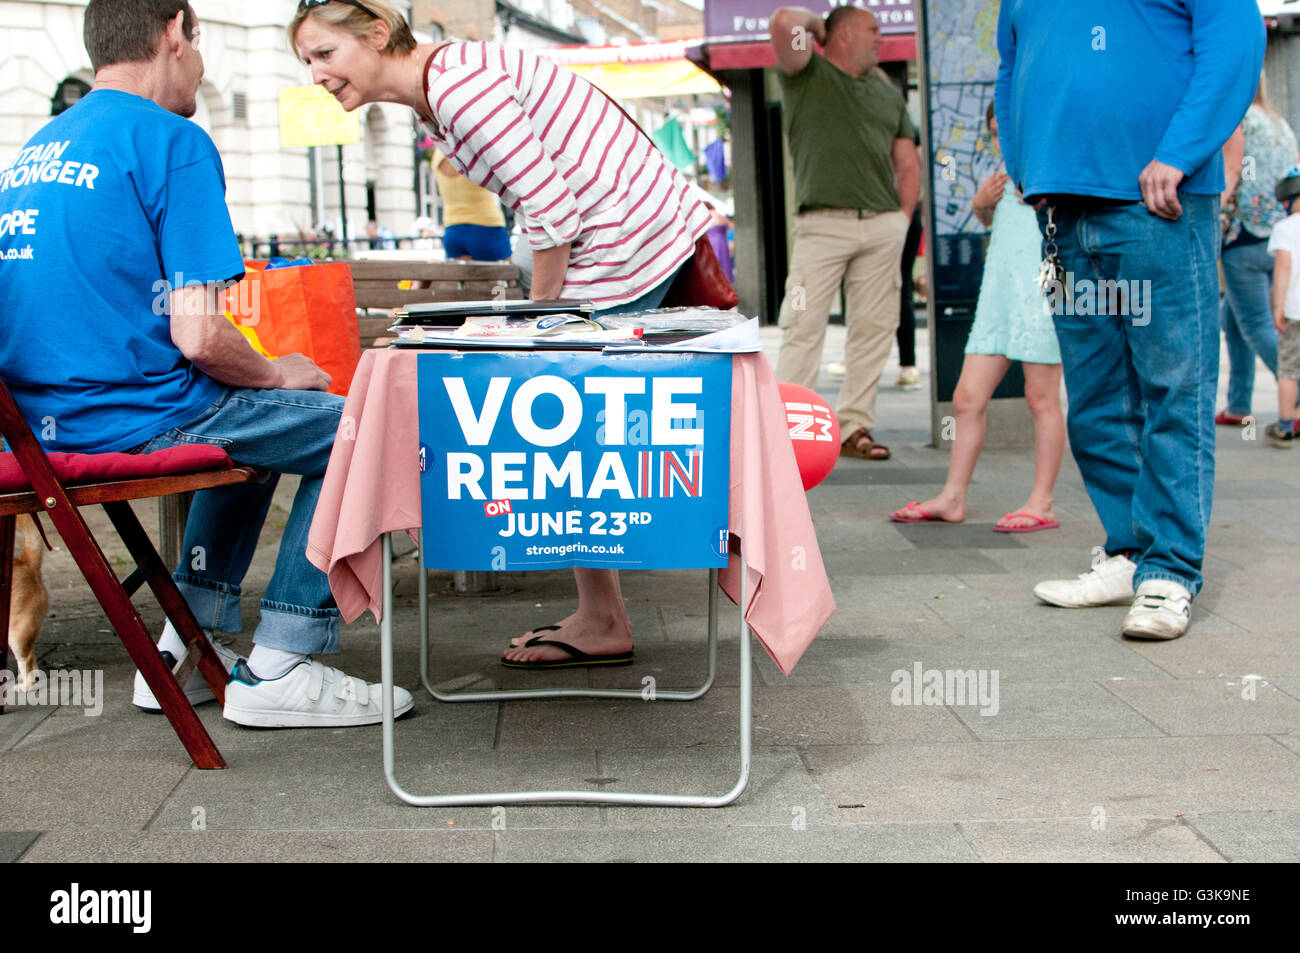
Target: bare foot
[1024, 517]
[941, 508]
[605, 636]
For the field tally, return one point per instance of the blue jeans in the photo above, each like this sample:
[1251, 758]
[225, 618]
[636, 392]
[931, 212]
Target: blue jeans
[1142, 386]
[651, 299]
[286, 431]
[1247, 319]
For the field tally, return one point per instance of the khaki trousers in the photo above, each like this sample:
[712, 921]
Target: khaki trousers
[830, 246]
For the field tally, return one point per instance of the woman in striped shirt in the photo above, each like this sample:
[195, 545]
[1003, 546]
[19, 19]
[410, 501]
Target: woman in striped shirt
[609, 219]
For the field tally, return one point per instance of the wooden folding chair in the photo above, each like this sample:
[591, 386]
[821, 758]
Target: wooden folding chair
[58, 485]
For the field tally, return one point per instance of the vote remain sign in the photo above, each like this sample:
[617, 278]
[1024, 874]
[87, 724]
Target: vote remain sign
[543, 460]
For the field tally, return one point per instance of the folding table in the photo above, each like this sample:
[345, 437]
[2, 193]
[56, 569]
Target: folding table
[371, 489]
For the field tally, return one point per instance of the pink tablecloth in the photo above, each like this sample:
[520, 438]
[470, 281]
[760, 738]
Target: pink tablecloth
[372, 487]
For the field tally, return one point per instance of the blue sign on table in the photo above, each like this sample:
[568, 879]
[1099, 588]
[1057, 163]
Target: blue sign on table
[543, 460]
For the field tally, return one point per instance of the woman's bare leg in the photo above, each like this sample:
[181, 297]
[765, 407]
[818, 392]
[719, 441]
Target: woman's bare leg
[1043, 394]
[980, 376]
[600, 625]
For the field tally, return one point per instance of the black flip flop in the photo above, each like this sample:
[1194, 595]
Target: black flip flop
[579, 658]
[542, 628]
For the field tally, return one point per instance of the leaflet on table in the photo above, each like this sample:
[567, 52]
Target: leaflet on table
[548, 460]
[669, 330]
[736, 339]
[452, 313]
[485, 331]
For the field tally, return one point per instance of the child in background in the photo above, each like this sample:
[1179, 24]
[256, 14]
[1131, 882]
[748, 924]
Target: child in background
[1013, 322]
[1284, 243]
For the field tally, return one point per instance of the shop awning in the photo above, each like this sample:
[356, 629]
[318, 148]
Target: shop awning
[636, 70]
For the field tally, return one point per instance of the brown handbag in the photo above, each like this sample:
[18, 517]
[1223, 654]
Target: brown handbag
[701, 282]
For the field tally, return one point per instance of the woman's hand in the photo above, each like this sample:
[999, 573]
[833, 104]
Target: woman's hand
[987, 197]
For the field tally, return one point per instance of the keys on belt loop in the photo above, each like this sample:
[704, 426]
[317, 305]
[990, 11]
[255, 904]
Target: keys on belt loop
[1050, 273]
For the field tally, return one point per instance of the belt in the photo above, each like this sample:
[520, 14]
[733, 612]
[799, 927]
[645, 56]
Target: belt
[841, 212]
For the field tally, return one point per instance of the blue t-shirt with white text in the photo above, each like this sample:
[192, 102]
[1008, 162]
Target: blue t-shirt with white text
[111, 204]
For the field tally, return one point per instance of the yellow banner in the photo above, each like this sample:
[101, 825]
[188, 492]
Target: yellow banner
[309, 116]
[639, 80]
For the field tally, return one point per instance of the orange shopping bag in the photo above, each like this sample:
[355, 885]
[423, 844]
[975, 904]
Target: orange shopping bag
[305, 309]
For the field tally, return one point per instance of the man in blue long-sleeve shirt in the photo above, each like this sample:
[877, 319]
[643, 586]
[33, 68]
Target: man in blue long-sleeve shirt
[1112, 117]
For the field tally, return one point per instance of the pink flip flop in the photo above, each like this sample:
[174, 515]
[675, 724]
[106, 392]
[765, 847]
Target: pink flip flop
[921, 516]
[1042, 524]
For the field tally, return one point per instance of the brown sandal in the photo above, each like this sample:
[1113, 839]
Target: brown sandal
[853, 446]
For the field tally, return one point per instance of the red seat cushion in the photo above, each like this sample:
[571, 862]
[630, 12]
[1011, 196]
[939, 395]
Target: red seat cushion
[72, 468]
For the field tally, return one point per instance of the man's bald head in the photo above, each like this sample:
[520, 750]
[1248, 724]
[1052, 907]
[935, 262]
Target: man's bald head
[846, 14]
[853, 39]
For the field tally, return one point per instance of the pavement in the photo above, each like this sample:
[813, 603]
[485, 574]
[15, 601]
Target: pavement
[1075, 745]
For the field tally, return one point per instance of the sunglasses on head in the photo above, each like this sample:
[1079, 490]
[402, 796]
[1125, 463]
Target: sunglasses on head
[309, 4]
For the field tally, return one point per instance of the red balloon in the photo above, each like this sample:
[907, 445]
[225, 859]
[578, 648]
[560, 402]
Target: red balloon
[814, 432]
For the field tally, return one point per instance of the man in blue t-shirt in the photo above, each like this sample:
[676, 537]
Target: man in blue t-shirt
[1112, 116]
[115, 245]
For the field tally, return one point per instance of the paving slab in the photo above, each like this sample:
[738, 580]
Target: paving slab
[1217, 706]
[1160, 777]
[1094, 839]
[876, 661]
[16, 723]
[14, 843]
[908, 563]
[1288, 684]
[1028, 710]
[847, 473]
[892, 843]
[884, 620]
[264, 847]
[1250, 612]
[968, 535]
[45, 790]
[1226, 654]
[780, 791]
[834, 533]
[815, 715]
[291, 790]
[1255, 837]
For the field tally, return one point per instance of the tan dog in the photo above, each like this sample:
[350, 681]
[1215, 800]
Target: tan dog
[29, 601]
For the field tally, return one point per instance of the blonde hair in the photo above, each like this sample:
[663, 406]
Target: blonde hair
[358, 23]
[1261, 99]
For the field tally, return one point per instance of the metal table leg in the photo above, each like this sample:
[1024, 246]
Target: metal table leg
[552, 797]
[517, 694]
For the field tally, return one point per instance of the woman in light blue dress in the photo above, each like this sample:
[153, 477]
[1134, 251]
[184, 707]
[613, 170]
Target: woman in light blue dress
[1013, 322]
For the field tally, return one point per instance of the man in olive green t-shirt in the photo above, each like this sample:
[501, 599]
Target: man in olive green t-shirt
[856, 184]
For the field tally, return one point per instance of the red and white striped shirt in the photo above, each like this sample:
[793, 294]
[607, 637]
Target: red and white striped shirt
[569, 162]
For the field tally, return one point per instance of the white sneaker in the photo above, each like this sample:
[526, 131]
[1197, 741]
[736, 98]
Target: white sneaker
[909, 379]
[196, 689]
[1161, 610]
[836, 369]
[1109, 583]
[309, 695]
